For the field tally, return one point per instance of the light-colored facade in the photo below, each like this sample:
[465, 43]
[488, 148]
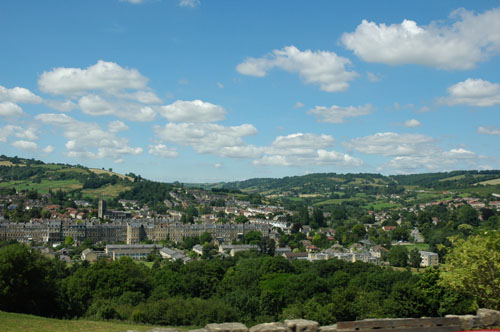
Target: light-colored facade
[429, 258]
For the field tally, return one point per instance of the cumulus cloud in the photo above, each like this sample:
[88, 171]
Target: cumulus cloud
[189, 3]
[413, 152]
[489, 130]
[117, 126]
[461, 45]
[88, 140]
[25, 145]
[19, 95]
[104, 76]
[135, 2]
[18, 132]
[96, 105]
[326, 69]
[299, 105]
[210, 138]
[392, 144]
[304, 149]
[193, 111]
[9, 109]
[48, 149]
[62, 106]
[373, 77]
[412, 123]
[337, 114]
[444, 160]
[161, 150]
[473, 92]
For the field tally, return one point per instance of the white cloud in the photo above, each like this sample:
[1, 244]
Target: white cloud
[489, 130]
[337, 114]
[19, 132]
[19, 95]
[413, 153]
[104, 76]
[219, 165]
[373, 77]
[193, 111]
[473, 92]
[48, 149]
[117, 126]
[189, 3]
[135, 2]
[9, 109]
[96, 105]
[299, 105]
[62, 106]
[25, 145]
[320, 67]
[220, 85]
[209, 138]
[412, 123]
[304, 149]
[392, 144]
[444, 160]
[88, 140]
[461, 45]
[162, 150]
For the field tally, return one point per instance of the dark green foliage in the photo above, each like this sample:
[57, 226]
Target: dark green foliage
[249, 289]
[398, 256]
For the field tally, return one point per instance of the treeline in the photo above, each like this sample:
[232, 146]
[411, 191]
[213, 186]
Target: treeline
[446, 180]
[249, 288]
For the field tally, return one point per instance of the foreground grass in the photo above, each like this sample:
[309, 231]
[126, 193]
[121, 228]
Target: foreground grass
[11, 322]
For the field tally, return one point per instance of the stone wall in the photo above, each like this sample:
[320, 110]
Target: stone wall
[484, 318]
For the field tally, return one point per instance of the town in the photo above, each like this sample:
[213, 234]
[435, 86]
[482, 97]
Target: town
[80, 229]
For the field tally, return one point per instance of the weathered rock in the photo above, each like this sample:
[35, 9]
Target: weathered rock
[162, 329]
[467, 322]
[488, 318]
[269, 327]
[328, 328]
[227, 327]
[301, 325]
[198, 330]
[131, 331]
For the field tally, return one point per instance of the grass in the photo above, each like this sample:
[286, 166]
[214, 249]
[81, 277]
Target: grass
[9, 163]
[108, 191]
[419, 246]
[491, 182]
[381, 205]
[12, 322]
[44, 186]
[336, 201]
[103, 171]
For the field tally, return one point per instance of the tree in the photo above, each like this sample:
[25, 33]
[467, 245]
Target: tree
[473, 267]
[205, 237]
[398, 256]
[466, 214]
[69, 241]
[415, 259]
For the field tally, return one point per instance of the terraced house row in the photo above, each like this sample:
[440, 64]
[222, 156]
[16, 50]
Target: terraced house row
[130, 232]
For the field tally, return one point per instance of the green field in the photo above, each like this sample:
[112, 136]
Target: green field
[337, 201]
[419, 246]
[381, 205]
[44, 186]
[108, 191]
[10, 322]
[491, 182]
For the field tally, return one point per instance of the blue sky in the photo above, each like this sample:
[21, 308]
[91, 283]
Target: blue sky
[204, 91]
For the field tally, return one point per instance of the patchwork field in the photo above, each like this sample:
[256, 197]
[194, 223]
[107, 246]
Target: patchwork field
[44, 186]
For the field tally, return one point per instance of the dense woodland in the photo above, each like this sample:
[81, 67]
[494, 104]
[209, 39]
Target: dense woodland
[250, 288]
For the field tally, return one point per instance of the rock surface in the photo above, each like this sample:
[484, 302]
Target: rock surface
[301, 325]
[269, 327]
[227, 327]
[467, 322]
[488, 318]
